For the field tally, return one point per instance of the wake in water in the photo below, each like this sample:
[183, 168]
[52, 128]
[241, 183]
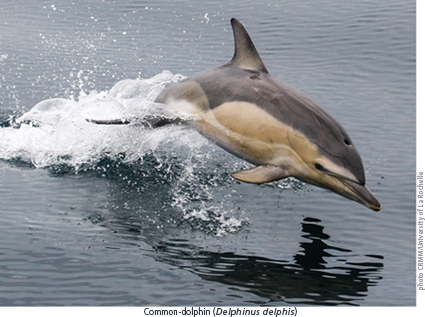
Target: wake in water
[56, 134]
[56, 131]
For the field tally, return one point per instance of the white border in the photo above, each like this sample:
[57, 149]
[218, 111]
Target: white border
[302, 311]
[420, 121]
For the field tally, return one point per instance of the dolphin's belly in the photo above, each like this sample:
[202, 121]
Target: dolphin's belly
[247, 131]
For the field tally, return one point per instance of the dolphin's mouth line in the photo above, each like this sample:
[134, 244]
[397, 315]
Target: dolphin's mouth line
[362, 194]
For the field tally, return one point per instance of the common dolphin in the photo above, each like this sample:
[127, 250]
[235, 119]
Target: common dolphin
[269, 123]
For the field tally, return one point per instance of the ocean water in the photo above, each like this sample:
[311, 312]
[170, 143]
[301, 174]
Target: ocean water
[125, 215]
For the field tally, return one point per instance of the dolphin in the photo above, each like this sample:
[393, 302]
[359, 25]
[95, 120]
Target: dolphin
[269, 123]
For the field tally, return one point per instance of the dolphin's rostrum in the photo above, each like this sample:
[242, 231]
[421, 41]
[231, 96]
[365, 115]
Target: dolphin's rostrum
[270, 124]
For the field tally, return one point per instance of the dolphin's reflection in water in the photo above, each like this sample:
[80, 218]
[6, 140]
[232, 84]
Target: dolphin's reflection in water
[319, 273]
[306, 280]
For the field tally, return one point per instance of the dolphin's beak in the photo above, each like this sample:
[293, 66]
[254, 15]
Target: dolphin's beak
[361, 194]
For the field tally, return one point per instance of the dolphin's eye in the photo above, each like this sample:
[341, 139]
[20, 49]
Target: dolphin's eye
[319, 167]
[346, 141]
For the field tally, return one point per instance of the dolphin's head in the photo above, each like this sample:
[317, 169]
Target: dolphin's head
[334, 163]
[324, 173]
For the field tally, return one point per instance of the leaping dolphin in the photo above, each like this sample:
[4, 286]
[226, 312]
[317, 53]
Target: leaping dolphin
[270, 124]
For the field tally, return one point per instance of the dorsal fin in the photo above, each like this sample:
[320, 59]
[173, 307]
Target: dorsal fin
[246, 55]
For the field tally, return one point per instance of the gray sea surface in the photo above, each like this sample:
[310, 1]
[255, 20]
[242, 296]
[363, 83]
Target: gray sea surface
[122, 215]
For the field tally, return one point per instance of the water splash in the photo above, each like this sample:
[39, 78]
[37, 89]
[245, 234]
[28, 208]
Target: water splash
[56, 131]
[56, 134]
[206, 198]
